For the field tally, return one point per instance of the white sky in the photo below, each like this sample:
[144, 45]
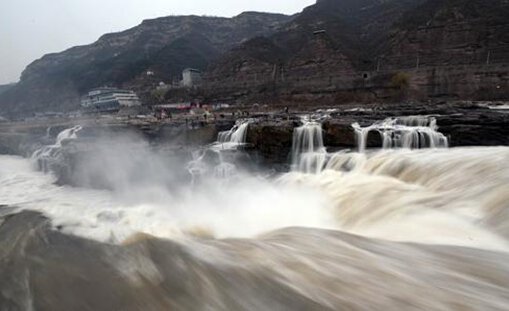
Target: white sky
[32, 28]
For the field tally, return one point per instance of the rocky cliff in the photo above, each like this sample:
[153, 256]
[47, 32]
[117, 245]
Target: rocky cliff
[164, 46]
[5, 87]
[334, 51]
[372, 49]
[464, 123]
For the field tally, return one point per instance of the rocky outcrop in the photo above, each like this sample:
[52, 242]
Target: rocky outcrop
[465, 124]
[269, 138]
[477, 128]
[256, 71]
[339, 133]
[449, 33]
[272, 139]
[103, 146]
[317, 53]
[23, 138]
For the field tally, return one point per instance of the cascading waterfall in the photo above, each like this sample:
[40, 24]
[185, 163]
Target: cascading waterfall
[414, 132]
[213, 155]
[237, 135]
[349, 237]
[308, 152]
[48, 155]
[48, 132]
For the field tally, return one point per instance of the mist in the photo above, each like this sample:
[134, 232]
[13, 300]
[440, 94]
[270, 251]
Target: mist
[152, 191]
[220, 191]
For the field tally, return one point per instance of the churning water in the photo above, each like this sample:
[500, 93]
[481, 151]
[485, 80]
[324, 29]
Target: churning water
[217, 157]
[404, 132]
[441, 196]
[452, 205]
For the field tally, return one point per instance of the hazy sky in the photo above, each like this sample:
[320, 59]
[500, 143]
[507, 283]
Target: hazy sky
[32, 28]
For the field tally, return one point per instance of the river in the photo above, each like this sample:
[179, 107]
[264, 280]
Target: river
[391, 229]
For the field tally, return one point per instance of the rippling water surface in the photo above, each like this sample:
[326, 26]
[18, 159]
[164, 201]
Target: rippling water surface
[388, 230]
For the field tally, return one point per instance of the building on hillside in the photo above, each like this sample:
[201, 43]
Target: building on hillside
[191, 77]
[108, 98]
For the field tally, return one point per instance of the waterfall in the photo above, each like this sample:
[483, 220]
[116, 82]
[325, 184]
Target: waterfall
[414, 132]
[308, 152]
[48, 155]
[237, 135]
[217, 158]
[48, 132]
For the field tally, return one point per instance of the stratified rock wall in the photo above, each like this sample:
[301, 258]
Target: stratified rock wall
[379, 50]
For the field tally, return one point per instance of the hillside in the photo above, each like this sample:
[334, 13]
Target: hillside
[339, 50]
[5, 87]
[164, 45]
[334, 51]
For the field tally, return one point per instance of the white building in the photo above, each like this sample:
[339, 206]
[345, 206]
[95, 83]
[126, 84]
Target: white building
[191, 77]
[107, 98]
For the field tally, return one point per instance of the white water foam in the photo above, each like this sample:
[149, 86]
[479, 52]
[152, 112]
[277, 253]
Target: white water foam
[308, 151]
[240, 209]
[50, 154]
[235, 137]
[212, 158]
[412, 132]
[437, 196]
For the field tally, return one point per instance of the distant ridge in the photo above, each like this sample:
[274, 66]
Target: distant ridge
[164, 46]
[334, 51]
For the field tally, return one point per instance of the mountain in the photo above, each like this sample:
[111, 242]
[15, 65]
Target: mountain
[344, 50]
[319, 49]
[354, 26]
[164, 46]
[5, 87]
[455, 48]
[332, 52]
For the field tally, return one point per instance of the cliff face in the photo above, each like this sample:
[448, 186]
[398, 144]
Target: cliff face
[5, 87]
[333, 51]
[374, 49]
[457, 49]
[259, 69]
[356, 27]
[316, 52]
[448, 33]
[164, 45]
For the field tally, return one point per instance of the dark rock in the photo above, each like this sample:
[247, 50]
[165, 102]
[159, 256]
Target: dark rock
[339, 133]
[272, 139]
